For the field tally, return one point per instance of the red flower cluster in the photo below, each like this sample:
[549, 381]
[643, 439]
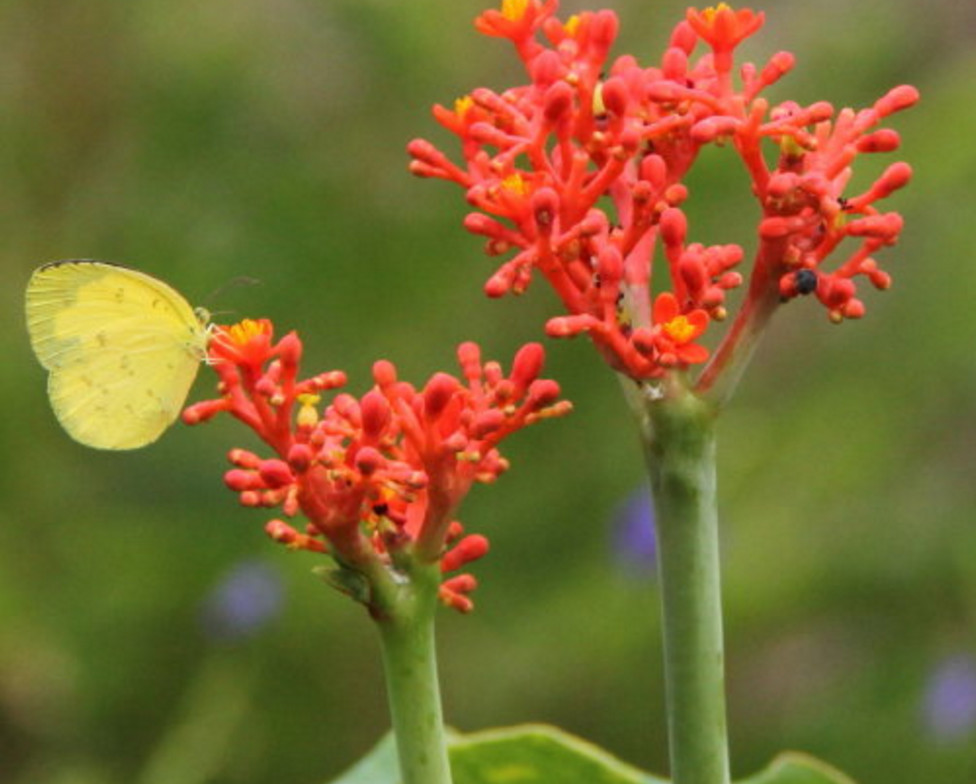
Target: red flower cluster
[377, 478]
[579, 172]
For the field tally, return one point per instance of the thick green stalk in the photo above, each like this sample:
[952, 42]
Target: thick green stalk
[679, 445]
[410, 664]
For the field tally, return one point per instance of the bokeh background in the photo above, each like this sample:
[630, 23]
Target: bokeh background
[149, 632]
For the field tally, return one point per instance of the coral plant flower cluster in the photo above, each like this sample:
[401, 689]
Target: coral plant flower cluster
[577, 176]
[377, 478]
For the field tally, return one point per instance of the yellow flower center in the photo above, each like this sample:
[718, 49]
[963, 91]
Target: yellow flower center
[679, 329]
[461, 105]
[515, 183]
[308, 416]
[572, 25]
[709, 13]
[513, 10]
[244, 331]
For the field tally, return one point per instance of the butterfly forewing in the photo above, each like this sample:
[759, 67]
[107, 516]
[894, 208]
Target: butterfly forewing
[122, 349]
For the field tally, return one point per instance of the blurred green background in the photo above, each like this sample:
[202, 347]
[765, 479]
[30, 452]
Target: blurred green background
[202, 141]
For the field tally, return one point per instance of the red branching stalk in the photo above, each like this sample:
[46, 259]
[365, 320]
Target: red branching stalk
[576, 175]
[377, 478]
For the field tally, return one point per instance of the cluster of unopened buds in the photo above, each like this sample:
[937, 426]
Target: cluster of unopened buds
[377, 478]
[579, 173]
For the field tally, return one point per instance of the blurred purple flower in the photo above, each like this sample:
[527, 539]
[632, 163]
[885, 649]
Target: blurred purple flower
[634, 541]
[949, 706]
[246, 598]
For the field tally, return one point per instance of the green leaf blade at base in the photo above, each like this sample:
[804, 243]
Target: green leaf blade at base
[542, 754]
[537, 754]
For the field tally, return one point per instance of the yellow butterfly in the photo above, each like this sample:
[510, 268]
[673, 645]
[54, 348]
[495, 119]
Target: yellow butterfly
[122, 349]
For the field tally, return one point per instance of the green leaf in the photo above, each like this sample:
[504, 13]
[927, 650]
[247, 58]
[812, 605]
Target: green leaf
[378, 767]
[791, 767]
[535, 754]
[541, 754]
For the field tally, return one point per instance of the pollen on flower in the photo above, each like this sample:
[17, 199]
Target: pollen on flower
[247, 330]
[680, 330]
[308, 416]
[513, 10]
[516, 184]
[462, 105]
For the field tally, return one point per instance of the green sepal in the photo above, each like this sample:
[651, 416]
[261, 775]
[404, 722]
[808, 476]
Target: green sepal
[352, 583]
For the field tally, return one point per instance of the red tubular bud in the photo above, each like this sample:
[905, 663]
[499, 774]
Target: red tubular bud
[486, 133]
[425, 152]
[643, 340]
[674, 64]
[202, 411]
[884, 227]
[884, 140]
[545, 208]
[896, 99]
[835, 292]
[895, 176]
[730, 280]
[711, 128]
[684, 37]
[375, 412]
[558, 102]
[778, 65]
[610, 265]
[499, 284]
[384, 373]
[438, 393]
[693, 273]
[347, 407]
[479, 223]
[243, 459]
[469, 549]
[615, 96]
[775, 228]
[527, 364]
[487, 422]
[369, 461]
[240, 480]
[276, 473]
[674, 227]
[603, 31]
[547, 68]
[662, 92]
[469, 358]
[281, 532]
[853, 309]
[781, 184]
[290, 349]
[654, 169]
[543, 392]
[300, 458]
[569, 326]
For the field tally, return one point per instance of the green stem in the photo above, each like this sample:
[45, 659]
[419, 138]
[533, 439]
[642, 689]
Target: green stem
[406, 627]
[679, 446]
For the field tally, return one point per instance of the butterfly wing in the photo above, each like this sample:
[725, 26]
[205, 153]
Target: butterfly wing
[122, 349]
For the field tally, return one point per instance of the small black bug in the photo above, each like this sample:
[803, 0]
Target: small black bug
[805, 281]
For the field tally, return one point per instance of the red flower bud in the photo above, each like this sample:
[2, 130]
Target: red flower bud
[276, 473]
[300, 457]
[375, 412]
[438, 393]
[527, 364]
